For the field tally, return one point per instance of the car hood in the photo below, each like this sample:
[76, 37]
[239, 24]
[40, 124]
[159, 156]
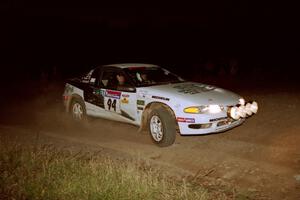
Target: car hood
[191, 92]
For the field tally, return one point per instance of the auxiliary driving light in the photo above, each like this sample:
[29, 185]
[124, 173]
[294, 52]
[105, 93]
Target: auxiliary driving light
[254, 107]
[242, 101]
[241, 111]
[248, 109]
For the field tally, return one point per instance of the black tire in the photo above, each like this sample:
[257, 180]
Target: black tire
[167, 126]
[77, 109]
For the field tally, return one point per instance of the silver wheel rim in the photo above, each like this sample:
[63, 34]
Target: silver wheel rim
[156, 128]
[77, 111]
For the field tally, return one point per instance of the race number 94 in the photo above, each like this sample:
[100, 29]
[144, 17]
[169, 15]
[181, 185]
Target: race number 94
[112, 104]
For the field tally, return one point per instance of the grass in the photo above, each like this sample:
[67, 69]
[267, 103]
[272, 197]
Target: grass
[45, 172]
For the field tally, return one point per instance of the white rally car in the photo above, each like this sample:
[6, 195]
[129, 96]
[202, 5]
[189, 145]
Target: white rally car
[156, 100]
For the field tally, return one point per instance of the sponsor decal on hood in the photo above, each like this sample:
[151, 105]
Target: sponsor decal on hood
[191, 88]
[193, 93]
[161, 98]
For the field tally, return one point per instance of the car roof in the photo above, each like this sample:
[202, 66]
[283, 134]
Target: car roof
[130, 65]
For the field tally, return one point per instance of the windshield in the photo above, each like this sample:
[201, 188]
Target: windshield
[146, 76]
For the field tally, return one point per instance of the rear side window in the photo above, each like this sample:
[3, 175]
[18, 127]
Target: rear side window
[95, 77]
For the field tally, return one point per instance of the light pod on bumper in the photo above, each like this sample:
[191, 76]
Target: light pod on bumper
[248, 109]
[254, 107]
[241, 111]
[242, 101]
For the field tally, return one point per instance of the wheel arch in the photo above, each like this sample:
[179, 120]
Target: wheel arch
[73, 97]
[148, 109]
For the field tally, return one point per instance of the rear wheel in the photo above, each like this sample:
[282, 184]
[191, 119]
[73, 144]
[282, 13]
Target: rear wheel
[77, 110]
[162, 127]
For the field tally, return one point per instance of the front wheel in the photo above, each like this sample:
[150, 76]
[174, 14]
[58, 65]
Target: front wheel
[162, 127]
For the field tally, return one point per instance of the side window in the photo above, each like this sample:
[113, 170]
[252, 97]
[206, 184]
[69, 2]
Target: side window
[87, 77]
[95, 77]
[116, 80]
[109, 79]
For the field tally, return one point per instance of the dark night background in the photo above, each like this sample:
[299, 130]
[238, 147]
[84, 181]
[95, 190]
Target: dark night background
[73, 37]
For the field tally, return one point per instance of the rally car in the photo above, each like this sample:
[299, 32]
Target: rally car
[156, 100]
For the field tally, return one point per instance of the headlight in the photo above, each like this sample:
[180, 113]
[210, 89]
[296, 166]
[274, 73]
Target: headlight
[214, 109]
[242, 101]
[234, 113]
[203, 109]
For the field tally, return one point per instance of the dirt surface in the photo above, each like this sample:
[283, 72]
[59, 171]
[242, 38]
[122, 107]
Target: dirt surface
[260, 158]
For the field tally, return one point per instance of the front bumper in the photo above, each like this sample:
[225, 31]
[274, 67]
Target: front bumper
[230, 117]
[210, 127]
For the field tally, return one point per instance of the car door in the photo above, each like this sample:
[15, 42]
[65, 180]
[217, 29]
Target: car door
[93, 95]
[120, 102]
